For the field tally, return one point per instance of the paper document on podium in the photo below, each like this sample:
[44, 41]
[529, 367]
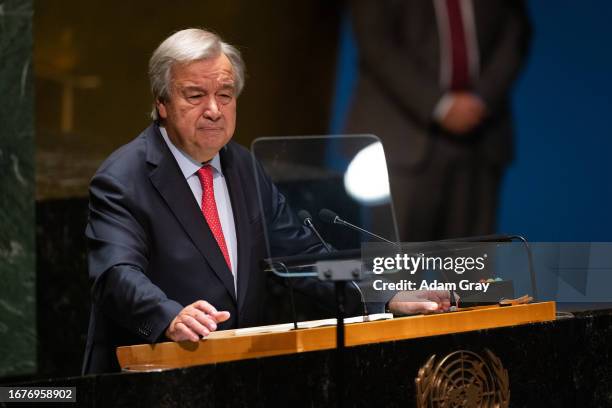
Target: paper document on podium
[305, 325]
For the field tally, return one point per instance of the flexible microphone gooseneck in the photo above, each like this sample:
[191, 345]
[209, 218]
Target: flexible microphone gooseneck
[306, 219]
[330, 217]
[506, 238]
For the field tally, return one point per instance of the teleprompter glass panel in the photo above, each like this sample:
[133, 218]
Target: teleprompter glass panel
[331, 179]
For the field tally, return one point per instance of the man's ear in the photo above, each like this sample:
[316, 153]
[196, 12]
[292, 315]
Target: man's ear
[161, 109]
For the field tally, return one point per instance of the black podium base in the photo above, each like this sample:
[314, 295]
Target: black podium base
[567, 362]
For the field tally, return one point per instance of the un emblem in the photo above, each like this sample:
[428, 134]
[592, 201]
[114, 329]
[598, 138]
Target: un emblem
[463, 379]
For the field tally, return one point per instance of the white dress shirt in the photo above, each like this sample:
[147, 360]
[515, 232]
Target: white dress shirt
[189, 167]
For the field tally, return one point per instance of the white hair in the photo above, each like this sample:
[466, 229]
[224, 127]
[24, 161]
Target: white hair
[185, 46]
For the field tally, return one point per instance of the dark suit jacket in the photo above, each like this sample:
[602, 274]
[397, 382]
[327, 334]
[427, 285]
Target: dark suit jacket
[151, 252]
[399, 61]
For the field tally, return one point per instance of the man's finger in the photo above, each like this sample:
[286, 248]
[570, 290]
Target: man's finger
[182, 332]
[204, 306]
[221, 316]
[208, 321]
[433, 296]
[413, 307]
[204, 319]
[195, 326]
[428, 306]
[443, 294]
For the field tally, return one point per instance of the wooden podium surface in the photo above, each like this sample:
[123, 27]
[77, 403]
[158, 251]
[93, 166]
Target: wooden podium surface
[231, 345]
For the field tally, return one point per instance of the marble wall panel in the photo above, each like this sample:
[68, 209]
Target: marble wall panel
[17, 259]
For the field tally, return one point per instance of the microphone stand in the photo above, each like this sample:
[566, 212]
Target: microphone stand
[506, 238]
[292, 300]
[340, 289]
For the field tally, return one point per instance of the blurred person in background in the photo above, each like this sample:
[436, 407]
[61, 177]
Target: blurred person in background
[434, 84]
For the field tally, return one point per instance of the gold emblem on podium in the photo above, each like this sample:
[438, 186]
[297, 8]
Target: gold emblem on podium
[463, 379]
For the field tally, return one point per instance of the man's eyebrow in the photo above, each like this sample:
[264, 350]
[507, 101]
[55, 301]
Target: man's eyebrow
[227, 85]
[192, 88]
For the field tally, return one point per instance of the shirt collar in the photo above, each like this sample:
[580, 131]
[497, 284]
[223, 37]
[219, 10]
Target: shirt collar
[188, 165]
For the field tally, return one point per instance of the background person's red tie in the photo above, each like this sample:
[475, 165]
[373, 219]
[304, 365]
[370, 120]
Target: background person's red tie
[209, 210]
[460, 77]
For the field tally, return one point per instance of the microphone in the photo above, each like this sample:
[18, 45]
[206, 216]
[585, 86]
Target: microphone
[306, 219]
[330, 217]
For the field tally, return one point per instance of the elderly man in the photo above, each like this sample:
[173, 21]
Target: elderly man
[175, 228]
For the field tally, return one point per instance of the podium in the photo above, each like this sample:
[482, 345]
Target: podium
[543, 361]
[233, 345]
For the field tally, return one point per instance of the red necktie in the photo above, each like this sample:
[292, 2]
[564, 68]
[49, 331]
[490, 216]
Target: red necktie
[460, 79]
[209, 209]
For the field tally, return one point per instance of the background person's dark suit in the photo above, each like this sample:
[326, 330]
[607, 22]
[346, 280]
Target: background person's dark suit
[151, 251]
[443, 185]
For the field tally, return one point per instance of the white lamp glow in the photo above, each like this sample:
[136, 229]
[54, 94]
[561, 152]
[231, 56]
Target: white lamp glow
[366, 178]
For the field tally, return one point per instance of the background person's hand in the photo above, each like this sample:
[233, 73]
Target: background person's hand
[420, 301]
[466, 112]
[196, 320]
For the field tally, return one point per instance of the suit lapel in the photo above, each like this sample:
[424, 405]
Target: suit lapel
[171, 185]
[241, 221]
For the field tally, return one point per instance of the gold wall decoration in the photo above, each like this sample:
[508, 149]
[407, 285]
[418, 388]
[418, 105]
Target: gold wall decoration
[463, 379]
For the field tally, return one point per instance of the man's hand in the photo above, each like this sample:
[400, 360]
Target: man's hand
[420, 301]
[197, 320]
[465, 113]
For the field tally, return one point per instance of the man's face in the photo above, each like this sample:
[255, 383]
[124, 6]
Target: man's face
[200, 115]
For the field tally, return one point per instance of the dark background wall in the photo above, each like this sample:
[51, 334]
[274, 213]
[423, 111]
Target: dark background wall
[559, 188]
